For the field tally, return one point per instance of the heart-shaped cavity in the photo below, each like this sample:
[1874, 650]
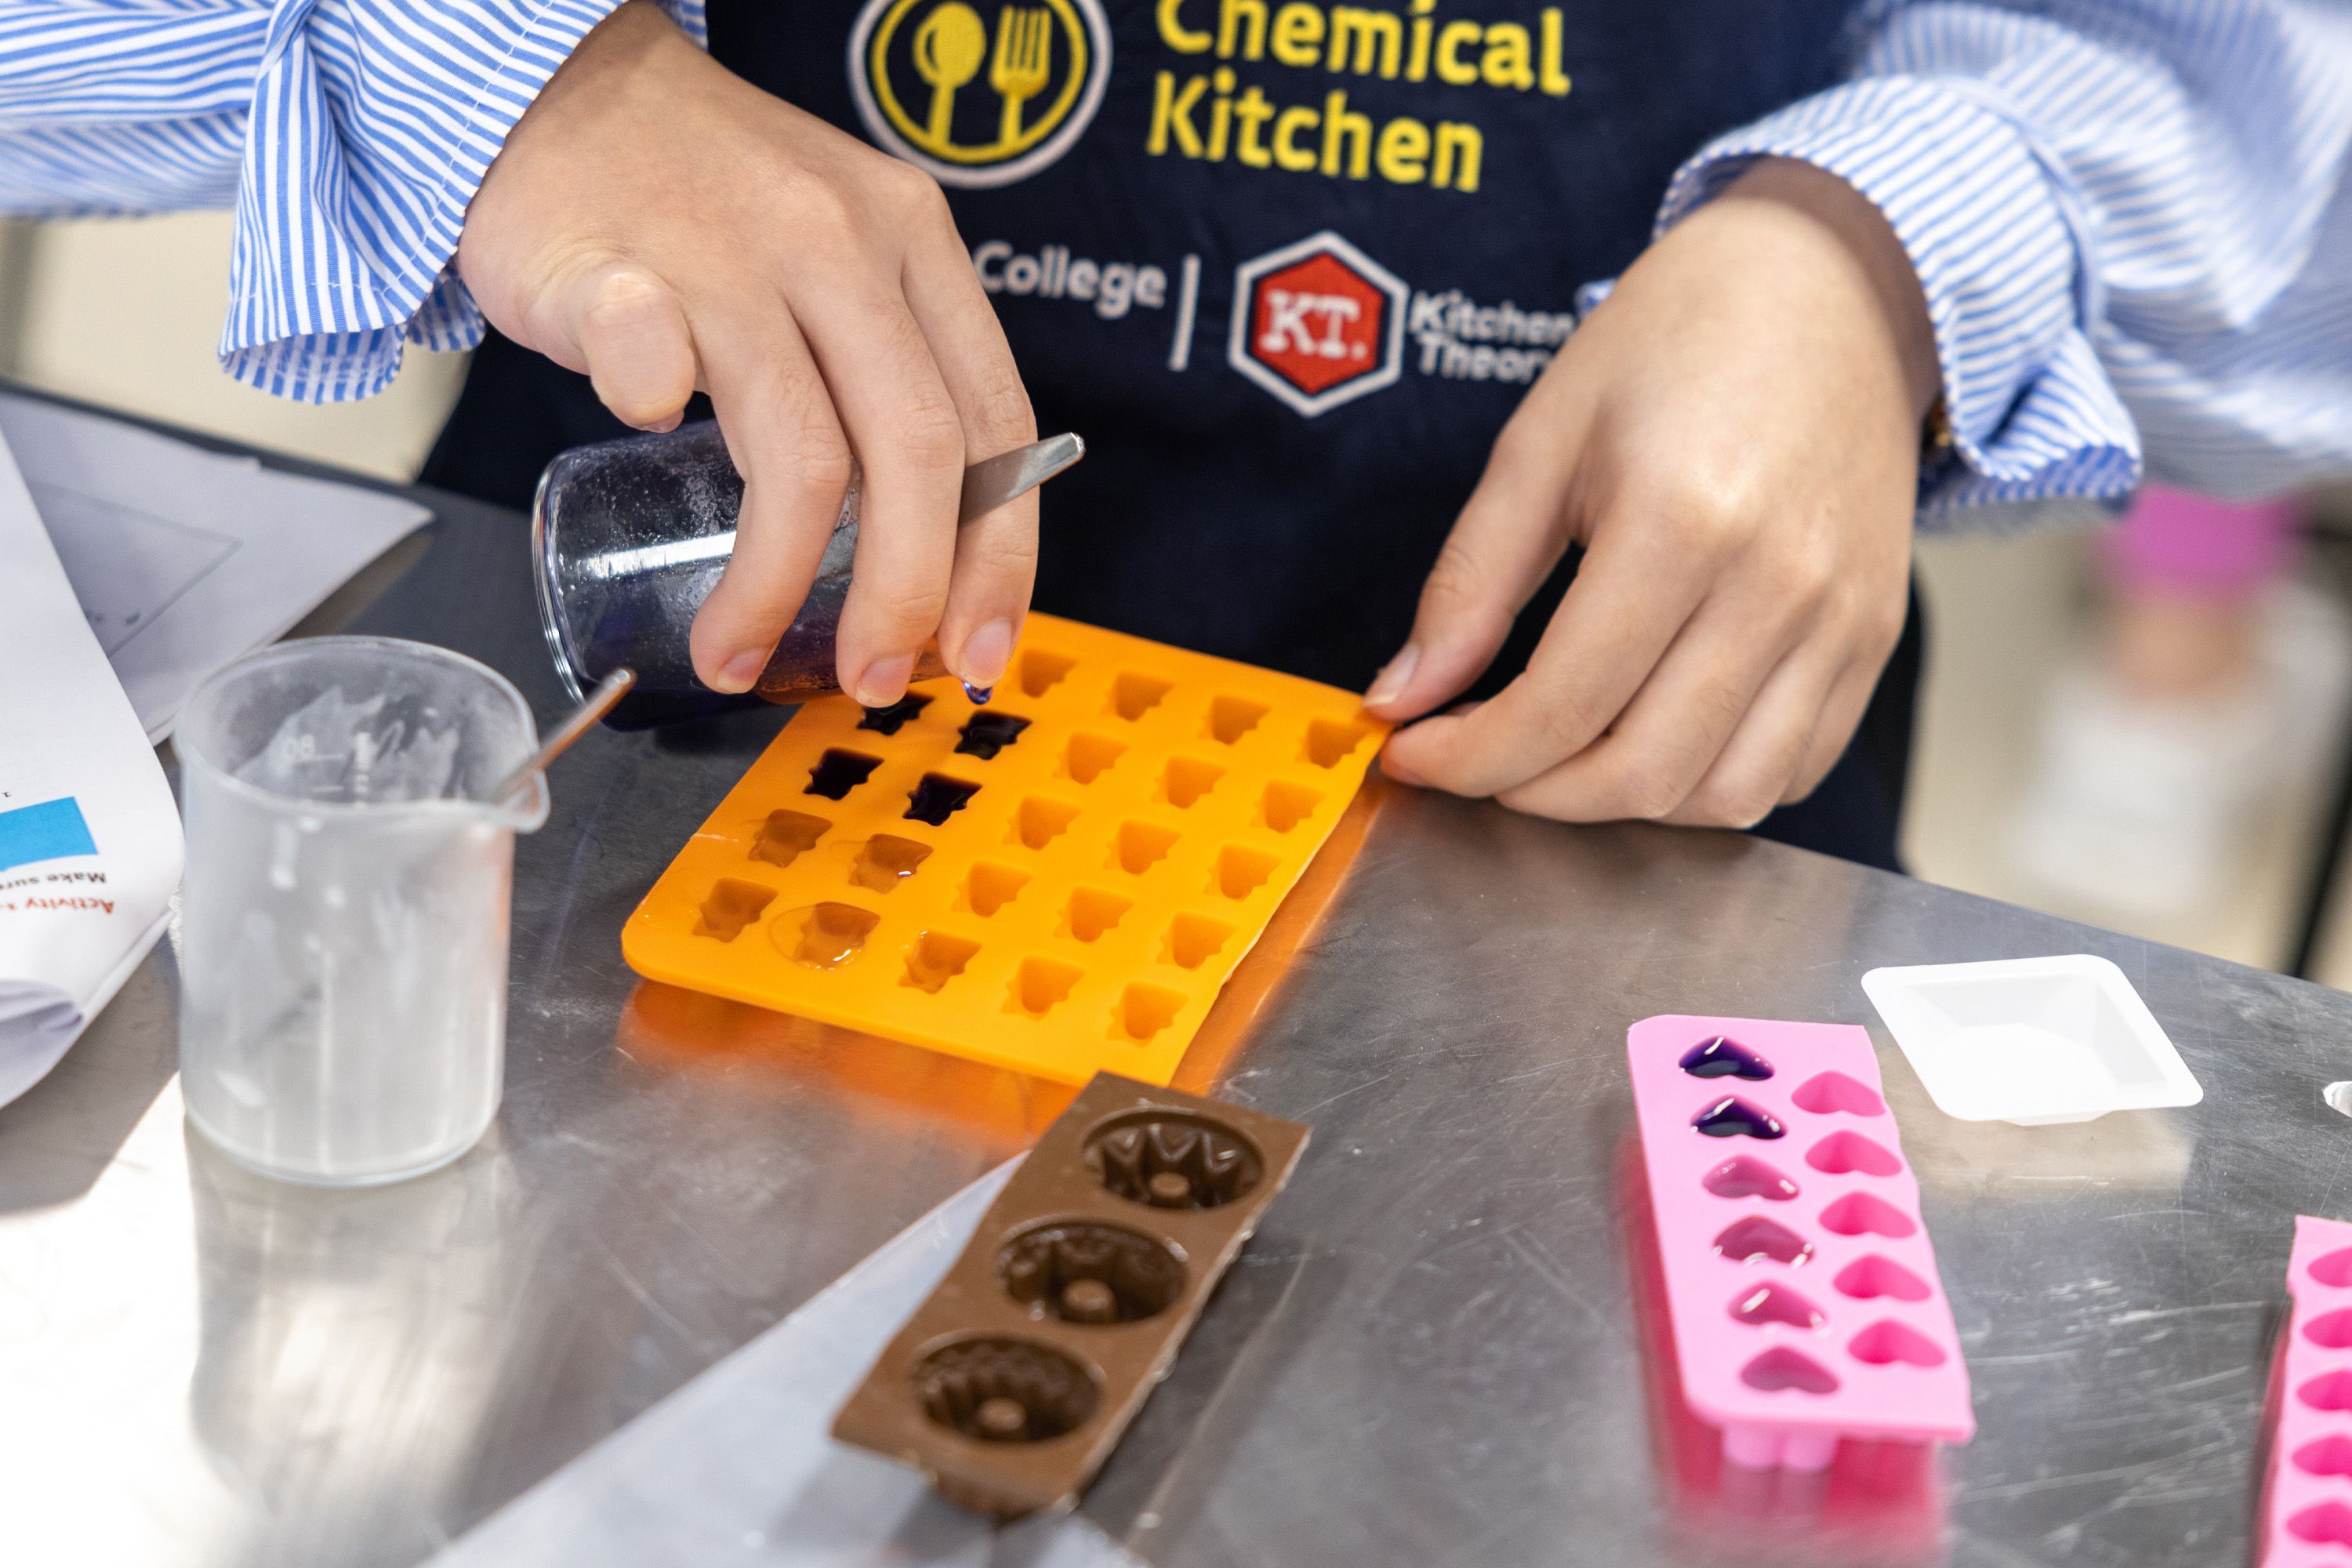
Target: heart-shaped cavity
[1871, 1276]
[1781, 1367]
[1886, 1342]
[2329, 1391]
[2331, 1455]
[1746, 1176]
[2323, 1523]
[1732, 1117]
[1753, 1235]
[1720, 1056]
[2333, 1330]
[1776, 1304]
[1842, 1153]
[2335, 1269]
[1826, 1092]
[1859, 1214]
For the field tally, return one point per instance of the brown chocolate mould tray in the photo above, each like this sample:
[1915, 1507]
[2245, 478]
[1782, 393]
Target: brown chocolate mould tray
[1011, 1383]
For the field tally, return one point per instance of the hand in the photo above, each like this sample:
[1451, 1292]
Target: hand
[1734, 436]
[662, 224]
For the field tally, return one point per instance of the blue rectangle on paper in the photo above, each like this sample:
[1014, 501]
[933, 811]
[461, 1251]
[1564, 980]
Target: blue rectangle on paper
[45, 832]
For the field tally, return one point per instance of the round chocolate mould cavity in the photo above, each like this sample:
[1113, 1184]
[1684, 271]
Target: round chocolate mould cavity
[1005, 1390]
[1172, 1159]
[1083, 1271]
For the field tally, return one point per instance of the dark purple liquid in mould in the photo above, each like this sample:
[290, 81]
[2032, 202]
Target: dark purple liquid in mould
[988, 733]
[838, 771]
[889, 720]
[936, 796]
[1732, 1117]
[1723, 1057]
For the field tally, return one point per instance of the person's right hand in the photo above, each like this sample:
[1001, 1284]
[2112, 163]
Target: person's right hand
[662, 224]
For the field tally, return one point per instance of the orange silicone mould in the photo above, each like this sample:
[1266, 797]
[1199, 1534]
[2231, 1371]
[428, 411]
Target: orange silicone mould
[1079, 912]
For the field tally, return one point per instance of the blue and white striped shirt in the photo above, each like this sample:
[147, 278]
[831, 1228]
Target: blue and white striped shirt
[2132, 218]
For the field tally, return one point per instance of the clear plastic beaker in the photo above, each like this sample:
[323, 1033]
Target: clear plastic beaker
[343, 915]
[628, 538]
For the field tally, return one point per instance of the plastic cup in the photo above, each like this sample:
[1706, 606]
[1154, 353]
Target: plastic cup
[629, 537]
[343, 914]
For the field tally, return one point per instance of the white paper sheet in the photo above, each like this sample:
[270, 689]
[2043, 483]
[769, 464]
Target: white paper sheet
[185, 559]
[89, 839]
[737, 1466]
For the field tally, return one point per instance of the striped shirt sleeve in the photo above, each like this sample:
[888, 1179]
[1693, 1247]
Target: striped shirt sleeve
[2132, 223]
[349, 135]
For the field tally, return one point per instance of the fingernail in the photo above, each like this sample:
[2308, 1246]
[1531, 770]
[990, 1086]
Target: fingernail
[884, 680]
[1389, 683]
[737, 673]
[986, 652]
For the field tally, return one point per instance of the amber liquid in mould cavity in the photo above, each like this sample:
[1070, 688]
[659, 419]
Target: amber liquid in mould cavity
[888, 860]
[936, 797]
[985, 734]
[829, 935]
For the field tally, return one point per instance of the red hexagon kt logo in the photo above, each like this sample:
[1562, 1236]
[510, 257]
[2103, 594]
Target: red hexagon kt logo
[1318, 323]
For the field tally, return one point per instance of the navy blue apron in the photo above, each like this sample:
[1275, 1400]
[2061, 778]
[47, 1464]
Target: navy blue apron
[1287, 265]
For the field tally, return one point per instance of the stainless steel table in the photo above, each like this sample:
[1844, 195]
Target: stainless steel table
[1427, 1357]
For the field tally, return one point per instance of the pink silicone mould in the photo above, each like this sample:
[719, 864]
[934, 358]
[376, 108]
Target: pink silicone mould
[1801, 1286]
[2307, 1503]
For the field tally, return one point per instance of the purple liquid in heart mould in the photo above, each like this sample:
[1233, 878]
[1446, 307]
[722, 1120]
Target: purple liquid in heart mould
[1732, 1117]
[1720, 1056]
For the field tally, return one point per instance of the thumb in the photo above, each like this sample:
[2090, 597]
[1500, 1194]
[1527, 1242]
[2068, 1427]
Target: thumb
[1511, 533]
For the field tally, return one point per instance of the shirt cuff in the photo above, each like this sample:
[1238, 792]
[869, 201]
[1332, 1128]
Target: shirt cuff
[342, 257]
[2004, 260]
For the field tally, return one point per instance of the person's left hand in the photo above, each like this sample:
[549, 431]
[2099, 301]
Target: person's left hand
[1734, 437]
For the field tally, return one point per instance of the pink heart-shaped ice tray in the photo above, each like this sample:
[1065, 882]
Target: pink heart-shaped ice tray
[2307, 1498]
[1800, 1283]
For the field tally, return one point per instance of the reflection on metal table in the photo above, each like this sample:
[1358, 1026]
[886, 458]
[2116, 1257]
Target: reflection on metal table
[1428, 1355]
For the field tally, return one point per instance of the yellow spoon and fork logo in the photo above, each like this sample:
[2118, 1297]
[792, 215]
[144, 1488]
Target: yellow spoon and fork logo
[921, 67]
[1023, 63]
